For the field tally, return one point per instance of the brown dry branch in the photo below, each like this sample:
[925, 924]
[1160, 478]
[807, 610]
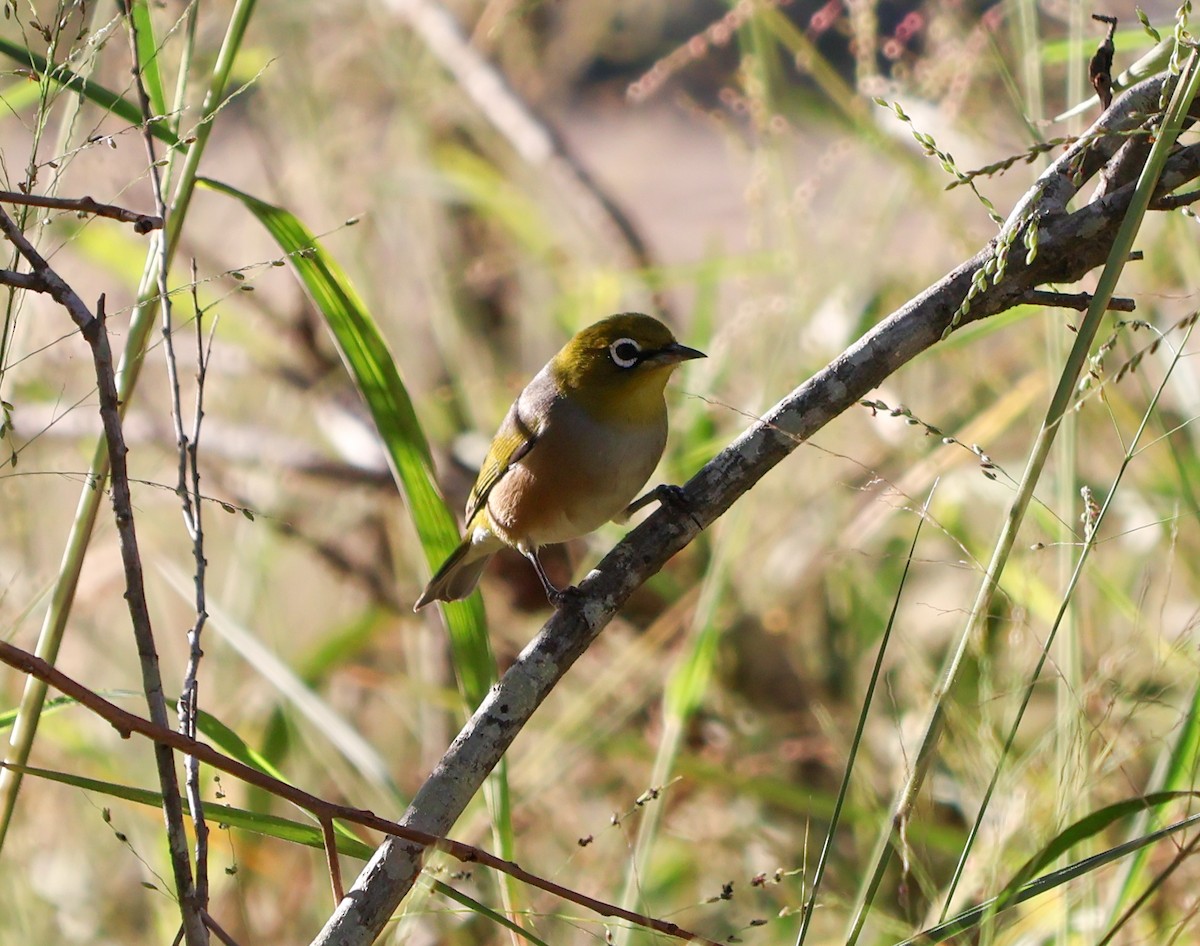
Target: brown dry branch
[335, 866]
[1070, 244]
[324, 811]
[188, 486]
[1176, 201]
[142, 223]
[94, 332]
[218, 931]
[1076, 300]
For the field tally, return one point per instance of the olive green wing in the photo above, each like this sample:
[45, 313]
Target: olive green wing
[513, 440]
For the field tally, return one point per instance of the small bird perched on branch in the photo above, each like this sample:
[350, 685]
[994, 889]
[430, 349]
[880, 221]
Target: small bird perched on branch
[573, 451]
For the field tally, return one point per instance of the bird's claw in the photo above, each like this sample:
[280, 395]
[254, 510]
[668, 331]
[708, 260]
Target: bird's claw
[677, 499]
[665, 494]
[668, 494]
[561, 597]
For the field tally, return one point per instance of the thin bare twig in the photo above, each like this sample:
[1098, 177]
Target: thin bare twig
[324, 811]
[217, 931]
[1181, 855]
[142, 223]
[192, 500]
[1075, 300]
[1176, 201]
[188, 490]
[96, 335]
[29, 281]
[331, 856]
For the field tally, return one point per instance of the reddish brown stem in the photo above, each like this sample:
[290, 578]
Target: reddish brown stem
[127, 723]
[142, 223]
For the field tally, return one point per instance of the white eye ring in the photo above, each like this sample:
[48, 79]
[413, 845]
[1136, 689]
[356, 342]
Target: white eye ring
[620, 354]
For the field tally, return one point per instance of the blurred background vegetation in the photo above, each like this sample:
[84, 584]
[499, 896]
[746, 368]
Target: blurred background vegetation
[687, 766]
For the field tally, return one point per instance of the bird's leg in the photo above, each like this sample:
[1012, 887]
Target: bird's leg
[666, 494]
[556, 596]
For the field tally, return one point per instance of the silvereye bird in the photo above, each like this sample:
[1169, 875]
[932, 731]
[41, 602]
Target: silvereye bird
[574, 449]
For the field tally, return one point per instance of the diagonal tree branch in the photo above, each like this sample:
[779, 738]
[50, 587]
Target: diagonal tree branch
[1069, 245]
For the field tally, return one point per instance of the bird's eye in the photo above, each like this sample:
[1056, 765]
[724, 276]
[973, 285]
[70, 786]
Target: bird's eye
[624, 352]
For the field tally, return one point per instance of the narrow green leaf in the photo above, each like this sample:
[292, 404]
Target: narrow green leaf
[476, 907]
[489, 191]
[1087, 827]
[20, 94]
[93, 91]
[147, 49]
[370, 363]
[8, 717]
[233, 745]
[1179, 767]
[1056, 52]
[271, 826]
[971, 918]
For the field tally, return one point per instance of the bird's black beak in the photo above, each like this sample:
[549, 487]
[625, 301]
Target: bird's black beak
[671, 355]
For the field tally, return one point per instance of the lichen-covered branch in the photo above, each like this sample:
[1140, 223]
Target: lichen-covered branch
[1062, 247]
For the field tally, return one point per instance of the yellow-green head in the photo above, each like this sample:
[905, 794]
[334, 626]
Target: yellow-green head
[618, 367]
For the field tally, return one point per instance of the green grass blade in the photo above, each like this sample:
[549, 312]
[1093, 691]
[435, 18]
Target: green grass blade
[486, 188]
[272, 826]
[476, 907]
[1056, 52]
[8, 717]
[1087, 827]
[147, 48]
[123, 108]
[856, 741]
[969, 919]
[20, 94]
[1180, 771]
[366, 356]
[370, 363]
[234, 745]
[1185, 92]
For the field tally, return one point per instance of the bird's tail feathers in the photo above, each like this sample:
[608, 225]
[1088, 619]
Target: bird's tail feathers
[459, 574]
